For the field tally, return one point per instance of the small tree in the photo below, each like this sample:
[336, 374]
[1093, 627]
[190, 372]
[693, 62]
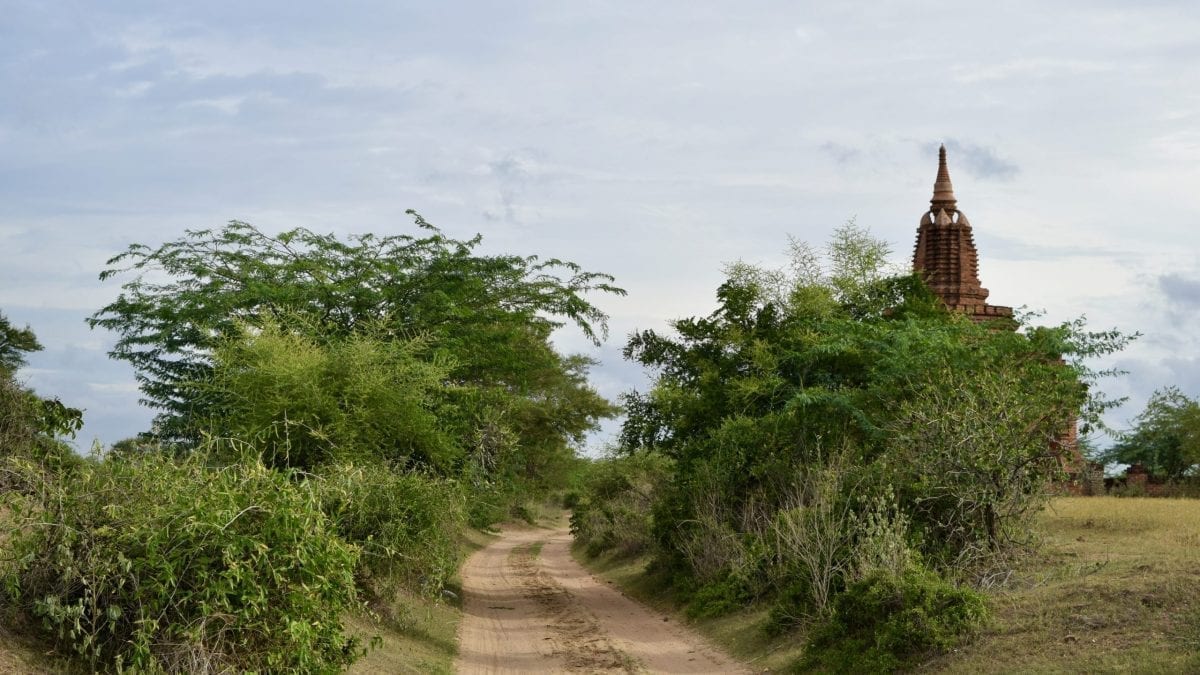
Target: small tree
[15, 343]
[1165, 437]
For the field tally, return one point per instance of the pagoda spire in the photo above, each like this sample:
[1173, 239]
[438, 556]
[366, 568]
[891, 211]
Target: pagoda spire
[945, 254]
[943, 190]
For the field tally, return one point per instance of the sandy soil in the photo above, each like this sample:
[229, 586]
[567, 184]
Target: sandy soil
[530, 608]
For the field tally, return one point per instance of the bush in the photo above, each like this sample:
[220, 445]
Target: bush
[613, 505]
[155, 564]
[718, 598]
[884, 623]
[308, 401]
[406, 525]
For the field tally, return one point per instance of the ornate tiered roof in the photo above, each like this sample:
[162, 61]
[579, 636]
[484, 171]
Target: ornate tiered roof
[945, 253]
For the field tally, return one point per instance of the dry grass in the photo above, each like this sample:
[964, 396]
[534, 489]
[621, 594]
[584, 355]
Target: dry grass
[1115, 588]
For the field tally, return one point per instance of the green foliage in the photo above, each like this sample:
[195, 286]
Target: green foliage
[150, 563]
[307, 401]
[612, 510]
[490, 317]
[1165, 437]
[15, 343]
[30, 425]
[960, 417]
[414, 350]
[405, 524]
[884, 623]
[833, 426]
[719, 597]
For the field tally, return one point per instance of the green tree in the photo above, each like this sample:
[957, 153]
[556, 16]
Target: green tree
[15, 343]
[27, 421]
[1165, 437]
[796, 367]
[487, 318]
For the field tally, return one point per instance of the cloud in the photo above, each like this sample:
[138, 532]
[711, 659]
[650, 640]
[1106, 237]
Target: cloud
[980, 161]
[1027, 68]
[1180, 289]
[841, 153]
[512, 174]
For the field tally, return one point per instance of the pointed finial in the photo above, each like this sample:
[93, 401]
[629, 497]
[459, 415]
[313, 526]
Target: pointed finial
[943, 191]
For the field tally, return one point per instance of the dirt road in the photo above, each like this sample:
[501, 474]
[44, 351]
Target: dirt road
[530, 608]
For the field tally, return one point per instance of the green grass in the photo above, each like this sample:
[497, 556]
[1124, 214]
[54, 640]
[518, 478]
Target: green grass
[1113, 588]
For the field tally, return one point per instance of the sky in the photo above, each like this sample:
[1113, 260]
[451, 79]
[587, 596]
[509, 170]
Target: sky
[653, 141]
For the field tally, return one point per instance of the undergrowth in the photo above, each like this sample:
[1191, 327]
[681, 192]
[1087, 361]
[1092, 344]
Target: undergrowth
[154, 563]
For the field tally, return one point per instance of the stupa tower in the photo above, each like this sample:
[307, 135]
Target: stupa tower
[945, 253]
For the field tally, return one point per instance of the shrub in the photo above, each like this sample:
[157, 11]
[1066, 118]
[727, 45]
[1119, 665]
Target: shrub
[720, 597]
[309, 401]
[613, 505]
[406, 525]
[884, 623]
[155, 564]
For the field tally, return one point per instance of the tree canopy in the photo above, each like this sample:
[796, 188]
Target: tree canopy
[1165, 438]
[798, 366]
[217, 320]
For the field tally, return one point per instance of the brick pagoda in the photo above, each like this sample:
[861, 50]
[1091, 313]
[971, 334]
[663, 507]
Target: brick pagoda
[945, 254]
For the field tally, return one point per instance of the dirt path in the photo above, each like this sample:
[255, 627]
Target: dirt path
[530, 608]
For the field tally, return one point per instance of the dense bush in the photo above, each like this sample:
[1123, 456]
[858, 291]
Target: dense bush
[151, 563]
[795, 369]
[406, 525]
[612, 507]
[884, 623]
[307, 398]
[485, 322]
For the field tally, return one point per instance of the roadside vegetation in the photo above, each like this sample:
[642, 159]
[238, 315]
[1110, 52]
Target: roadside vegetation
[833, 444]
[830, 472]
[334, 416]
[1113, 587]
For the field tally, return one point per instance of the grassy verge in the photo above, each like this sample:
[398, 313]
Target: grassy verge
[1114, 588]
[427, 641]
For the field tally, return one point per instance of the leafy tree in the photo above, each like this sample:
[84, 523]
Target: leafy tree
[15, 343]
[1165, 437]
[27, 421]
[795, 367]
[486, 318]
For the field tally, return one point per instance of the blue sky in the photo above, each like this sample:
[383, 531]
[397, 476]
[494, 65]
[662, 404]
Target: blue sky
[655, 141]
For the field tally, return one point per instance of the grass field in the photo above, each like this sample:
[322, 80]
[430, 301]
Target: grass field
[1116, 588]
[1113, 588]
